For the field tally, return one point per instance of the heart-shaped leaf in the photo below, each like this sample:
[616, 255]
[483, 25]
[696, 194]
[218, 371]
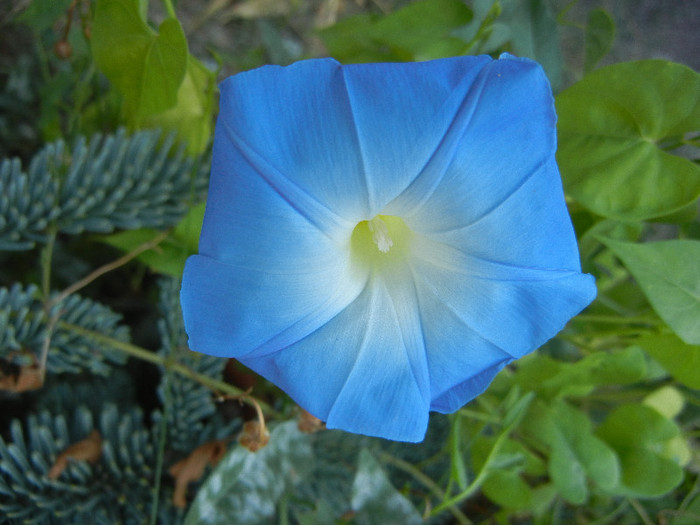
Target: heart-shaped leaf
[146, 67]
[612, 126]
[640, 435]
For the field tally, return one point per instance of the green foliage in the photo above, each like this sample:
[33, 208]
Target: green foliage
[668, 273]
[146, 67]
[170, 258]
[533, 33]
[553, 378]
[161, 84]
[598, 426]
[325, 477]
[190, 117]
[419, 31]
[680, 359]
[576, 454]
[430, 29]
[613, 129]
[41, 14]
[18, 98]
[600, 33]
[641, 437]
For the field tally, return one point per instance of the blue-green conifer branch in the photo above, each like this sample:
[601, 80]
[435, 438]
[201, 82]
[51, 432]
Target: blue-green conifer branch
[109, 182]
[24, 324]
[113, 489]
[188, 405]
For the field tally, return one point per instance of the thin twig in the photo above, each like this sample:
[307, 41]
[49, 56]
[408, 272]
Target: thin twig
[170, 364]
[641, 511]
[425, 480]
[475, 485]
[111, 266]
[46, 344]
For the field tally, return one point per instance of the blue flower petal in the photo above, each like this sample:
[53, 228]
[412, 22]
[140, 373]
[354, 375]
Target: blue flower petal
[234, 311]
[299, 120]
[489, 314]
[365, 371]
[425, 97]
[504, 134]
[294, 126]
[266, 274]
[529, 227]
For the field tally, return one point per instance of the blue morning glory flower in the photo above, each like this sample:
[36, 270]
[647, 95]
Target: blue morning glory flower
[381, 239]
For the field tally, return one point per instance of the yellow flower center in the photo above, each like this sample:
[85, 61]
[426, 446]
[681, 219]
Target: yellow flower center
[380, 241]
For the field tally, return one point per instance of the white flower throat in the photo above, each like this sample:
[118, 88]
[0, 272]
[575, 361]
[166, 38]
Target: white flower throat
[380, 234]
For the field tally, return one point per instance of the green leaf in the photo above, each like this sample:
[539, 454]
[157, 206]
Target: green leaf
[611, 126]
[667, 401]
[170, 255]
[600, 33]
[640, 435]
[375, 500]
[504, 483]
[483, 34]
[42, 14]
[534, 33]
[669, 275]
[513, 456]
[245, 486]
[146, 67]
[419, 31]
[458, 471]
[577, 453]
[191, 117]
[553, 378]
[679, 359]
[508, 489]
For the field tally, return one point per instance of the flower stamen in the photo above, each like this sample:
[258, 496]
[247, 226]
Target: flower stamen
[380, 234]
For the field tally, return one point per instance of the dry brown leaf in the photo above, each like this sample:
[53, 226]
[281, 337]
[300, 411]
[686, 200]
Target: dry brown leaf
[192, 468]
[309, 424]
[88, 449]
[28, 378]
[254, 436]
[20, 378]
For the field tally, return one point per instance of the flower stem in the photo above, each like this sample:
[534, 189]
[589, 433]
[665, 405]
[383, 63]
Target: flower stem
[111, 266]
[169, 8]
[161, 448]
[45, 259]
[480, 478]
[641, 511]
[425, 480]
[480, 416]
[171, 365]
